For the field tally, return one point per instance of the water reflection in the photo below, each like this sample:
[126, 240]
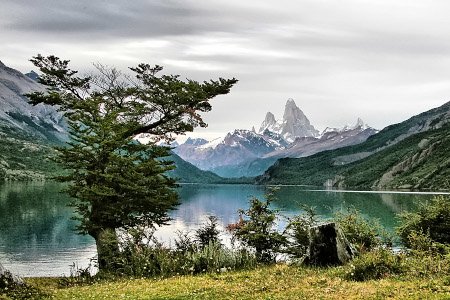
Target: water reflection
[37, 237]
[36, 229]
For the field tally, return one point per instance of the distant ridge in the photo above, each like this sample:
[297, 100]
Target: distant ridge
[414, 154]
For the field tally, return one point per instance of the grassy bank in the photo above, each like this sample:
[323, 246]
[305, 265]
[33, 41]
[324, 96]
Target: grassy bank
[271, 282]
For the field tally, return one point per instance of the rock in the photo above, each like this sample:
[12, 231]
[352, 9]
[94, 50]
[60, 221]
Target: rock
[328, 246]
[8, 279]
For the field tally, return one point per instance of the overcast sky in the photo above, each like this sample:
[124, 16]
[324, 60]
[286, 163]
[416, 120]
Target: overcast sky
[383, 60]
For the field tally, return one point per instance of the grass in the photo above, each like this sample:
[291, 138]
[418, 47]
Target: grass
[270, 282]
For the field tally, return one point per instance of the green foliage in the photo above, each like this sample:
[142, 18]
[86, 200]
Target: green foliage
[431, 219]
[117, 182]
[364, 234]
[375, 264]
[421, 244]
[208, 233]
[78, 277]
[297, 232]
[257, 229]
[144, 256]
[11, 289]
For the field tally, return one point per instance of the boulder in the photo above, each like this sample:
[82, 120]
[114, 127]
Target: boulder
[328, 246]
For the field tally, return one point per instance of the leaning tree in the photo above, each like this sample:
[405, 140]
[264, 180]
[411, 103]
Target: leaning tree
[115, 181]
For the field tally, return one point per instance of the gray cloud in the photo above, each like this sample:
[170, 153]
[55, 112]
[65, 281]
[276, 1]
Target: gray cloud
[381, 60]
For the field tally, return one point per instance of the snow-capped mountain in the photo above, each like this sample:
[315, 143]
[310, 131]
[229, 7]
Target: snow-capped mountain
[294, 124]
[360, 125]
[236, 147]
[247, 152]
[17, 114]
[329, 139]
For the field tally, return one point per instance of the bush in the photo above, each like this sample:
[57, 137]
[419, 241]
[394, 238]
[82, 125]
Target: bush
[257, 229]
[78, 276]
[297, 232]
[208, 233]
[143, 256]
[376, 264]
[421, 244]
[431, 219]
[12, 289]
[363, 234]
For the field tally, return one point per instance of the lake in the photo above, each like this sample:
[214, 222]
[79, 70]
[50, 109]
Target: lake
[37, 236]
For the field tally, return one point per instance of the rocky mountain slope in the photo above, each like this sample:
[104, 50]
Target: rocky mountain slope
[27, 132]
[40, 121]
[411, 154]
[245, 153]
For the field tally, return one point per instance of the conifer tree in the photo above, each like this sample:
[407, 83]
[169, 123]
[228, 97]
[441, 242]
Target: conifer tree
[115, 181]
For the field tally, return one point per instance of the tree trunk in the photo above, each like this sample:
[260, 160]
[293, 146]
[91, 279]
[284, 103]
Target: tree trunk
[107, 249]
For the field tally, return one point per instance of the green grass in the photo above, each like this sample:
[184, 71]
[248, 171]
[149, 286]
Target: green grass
[271, 282]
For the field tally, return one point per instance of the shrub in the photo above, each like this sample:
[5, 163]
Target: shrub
[12, 289]
[421, 244]
[365, 235]
[184, 243]
[257, 229]
[142, 255]
[376, 264]
[78, 276]
[431, 219]
[297, 232]
[208, 233]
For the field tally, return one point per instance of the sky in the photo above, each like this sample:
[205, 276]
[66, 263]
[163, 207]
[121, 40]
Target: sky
[383, 61]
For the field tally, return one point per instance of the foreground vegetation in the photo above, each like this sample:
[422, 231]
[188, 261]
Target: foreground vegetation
[200, 267]
[268, 282]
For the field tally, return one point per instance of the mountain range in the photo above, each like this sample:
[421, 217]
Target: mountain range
[247, 153]
[414, 154]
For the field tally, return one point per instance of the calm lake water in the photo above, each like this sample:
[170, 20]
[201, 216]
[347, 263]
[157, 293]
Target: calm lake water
[37, 236]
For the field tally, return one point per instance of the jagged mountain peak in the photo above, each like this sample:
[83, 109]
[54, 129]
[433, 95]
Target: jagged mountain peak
[359, 126]
[294, 124]
[359, 122]
[195, 141]
[269, 122]
[33, 75]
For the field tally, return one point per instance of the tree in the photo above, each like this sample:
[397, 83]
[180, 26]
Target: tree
[257, 229]
[117, 182]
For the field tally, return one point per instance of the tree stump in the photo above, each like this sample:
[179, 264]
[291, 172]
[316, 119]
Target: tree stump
[328, 246]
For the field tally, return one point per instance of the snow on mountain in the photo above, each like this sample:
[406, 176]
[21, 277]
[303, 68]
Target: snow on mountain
[330, 139]
[293, 136]
[360, 125]
[195, 141]
[294, 124]
[16, 113]
[236, 147]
